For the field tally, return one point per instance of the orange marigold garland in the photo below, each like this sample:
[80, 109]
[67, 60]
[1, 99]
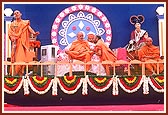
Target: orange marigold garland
[70, 82]
[130, 82]
[40, 83]
[100, 83]
[12, 84]
[158, 81]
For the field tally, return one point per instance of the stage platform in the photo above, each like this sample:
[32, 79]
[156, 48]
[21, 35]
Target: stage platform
[90, 95]
[94, 98]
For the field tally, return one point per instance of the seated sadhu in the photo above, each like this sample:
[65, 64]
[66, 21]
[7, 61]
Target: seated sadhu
[80, 50]
[104, 52]
[150, 52]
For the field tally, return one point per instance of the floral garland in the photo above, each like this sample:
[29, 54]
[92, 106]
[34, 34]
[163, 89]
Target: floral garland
[26, 86]
[12, 84]
[99, 83]
[115, 85]
[157, 82]
[70, 84]
[40, 84]
[145, 84]
[54, 87]
[35, 44]
[85, 88]
[130, 83]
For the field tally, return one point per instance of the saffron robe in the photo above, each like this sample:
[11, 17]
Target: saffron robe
[106, 54]
[80, 50]
[20, 53]
[154, 52]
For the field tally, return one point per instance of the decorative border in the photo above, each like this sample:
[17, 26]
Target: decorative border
[12, 84]
[71, 84]
[99, 83]
[157, 83]
[40, 84]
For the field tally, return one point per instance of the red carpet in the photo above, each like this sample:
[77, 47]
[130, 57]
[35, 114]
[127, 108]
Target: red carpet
[147, 107]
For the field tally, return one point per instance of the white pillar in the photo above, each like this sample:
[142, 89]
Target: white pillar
[7, 46]
[8, 42]
[162, 30]
[162, 38]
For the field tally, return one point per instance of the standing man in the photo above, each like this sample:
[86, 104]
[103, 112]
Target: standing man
[19, 34]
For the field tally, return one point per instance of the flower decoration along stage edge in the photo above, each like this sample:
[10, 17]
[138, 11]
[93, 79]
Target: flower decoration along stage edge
[71, 84]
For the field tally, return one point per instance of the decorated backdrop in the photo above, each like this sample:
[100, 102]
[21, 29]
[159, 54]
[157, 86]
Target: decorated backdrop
[59, 22]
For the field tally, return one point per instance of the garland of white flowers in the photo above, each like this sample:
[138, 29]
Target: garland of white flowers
[39, 92]
[54, 87]
[130, 91]
[17, 89]
[153, 86]
[85, 89]
[97, 89]
[145, 85]
[72, 91]
[115, 85]
[26, 86]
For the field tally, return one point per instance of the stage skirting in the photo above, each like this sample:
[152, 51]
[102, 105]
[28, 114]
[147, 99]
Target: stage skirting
[132, 89]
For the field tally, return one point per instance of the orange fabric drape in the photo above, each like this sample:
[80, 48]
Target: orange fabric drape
[20, 31]
[106, 54]
[151, 51]
[80, 50]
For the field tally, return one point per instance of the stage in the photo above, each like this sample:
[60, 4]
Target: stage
[58, 83]
[94, 98]
[82, 91]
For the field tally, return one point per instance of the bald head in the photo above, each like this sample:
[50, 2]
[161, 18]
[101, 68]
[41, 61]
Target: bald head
[149, 41]
[16, 11]
[17, 14]
[79, 33]
[80, 36]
